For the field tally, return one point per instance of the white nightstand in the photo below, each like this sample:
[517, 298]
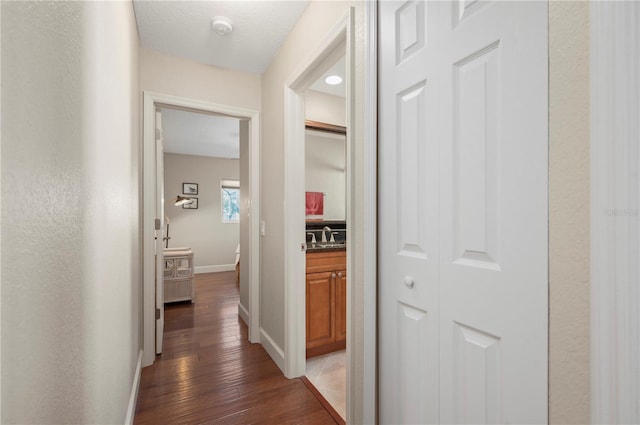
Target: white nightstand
[179, 279]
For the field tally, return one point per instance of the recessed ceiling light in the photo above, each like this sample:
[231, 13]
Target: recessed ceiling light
[333, 80]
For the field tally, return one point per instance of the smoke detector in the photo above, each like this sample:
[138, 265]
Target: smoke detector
[221, 25]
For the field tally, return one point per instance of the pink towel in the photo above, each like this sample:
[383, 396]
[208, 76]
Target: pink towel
[314, 204]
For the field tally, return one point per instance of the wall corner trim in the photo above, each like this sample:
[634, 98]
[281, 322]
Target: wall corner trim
[135, 387]
[275, 352]
[244, 315]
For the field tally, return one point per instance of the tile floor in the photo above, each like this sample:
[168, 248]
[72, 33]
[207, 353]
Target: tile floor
[328, 373]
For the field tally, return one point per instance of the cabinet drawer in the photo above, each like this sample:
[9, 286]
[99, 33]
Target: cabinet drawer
[326, 261]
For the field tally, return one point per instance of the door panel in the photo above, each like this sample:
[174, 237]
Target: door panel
[413, 349]
[463, 212]
[494, 214]
[408, 313]
[475, 158]
[477, 383]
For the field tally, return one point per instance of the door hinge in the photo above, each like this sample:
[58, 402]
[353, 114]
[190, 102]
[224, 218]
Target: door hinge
[157, 314]
[158, 134]
[157, 224]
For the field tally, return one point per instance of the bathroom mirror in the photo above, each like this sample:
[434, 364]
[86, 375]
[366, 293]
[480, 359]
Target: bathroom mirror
[325, 164]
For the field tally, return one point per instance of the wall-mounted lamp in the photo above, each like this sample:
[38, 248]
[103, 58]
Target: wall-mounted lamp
[181, 200]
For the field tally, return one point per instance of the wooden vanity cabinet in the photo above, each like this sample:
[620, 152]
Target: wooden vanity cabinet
[326, 302]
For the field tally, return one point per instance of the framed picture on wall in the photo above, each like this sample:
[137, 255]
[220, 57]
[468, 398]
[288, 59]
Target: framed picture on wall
[190, 188]
[193, 205]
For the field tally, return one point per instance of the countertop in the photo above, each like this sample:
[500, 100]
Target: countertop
[319, 247]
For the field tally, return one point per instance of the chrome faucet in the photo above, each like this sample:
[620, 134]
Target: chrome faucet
[313, 237]
[324, 235]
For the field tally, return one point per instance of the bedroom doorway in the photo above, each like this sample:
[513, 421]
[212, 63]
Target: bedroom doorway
[249, 123]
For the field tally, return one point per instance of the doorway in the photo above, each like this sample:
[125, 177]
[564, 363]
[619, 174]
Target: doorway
[338, 43]
[249, 252]
[326, 277]
[203, 185]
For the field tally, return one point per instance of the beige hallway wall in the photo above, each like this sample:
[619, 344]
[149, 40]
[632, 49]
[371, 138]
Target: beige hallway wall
[213, 242]
[176, 76]
[569, 213]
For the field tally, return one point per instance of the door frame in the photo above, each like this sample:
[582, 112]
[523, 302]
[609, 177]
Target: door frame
[370, 290]
[294, 131]
[160, 228]
[615, 206]
[151, 99]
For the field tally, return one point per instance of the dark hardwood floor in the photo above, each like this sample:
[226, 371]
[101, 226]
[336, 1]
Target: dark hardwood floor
[209, 373]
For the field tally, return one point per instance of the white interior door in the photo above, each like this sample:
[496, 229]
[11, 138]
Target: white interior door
[408, 216]
[160, 231]
[463, 212]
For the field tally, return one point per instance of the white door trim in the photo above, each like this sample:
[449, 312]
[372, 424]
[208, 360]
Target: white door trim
[615, 207]
[370, 381]
[294, 261]
[148, 196]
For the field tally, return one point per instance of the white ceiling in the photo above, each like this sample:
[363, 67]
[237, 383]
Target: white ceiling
[183, 28]
[191, 133]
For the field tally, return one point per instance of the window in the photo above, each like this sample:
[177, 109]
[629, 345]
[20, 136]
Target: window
[230, 190]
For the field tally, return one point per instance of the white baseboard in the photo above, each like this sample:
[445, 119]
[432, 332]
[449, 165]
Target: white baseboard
[214, 269]
[243, 313]
[133, 397]
[276, 353]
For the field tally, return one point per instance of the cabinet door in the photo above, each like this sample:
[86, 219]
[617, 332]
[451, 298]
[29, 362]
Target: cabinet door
[321, 297]
[341, 305]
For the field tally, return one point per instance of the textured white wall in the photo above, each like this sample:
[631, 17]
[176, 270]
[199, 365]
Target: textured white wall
[71, 299]
[214, 243]
[569, 213]
[312, 27]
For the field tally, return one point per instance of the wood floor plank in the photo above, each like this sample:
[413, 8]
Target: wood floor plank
[209, 373]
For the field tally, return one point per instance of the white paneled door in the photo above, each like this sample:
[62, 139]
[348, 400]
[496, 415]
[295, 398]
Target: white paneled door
[463, 212]
[160, 231]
